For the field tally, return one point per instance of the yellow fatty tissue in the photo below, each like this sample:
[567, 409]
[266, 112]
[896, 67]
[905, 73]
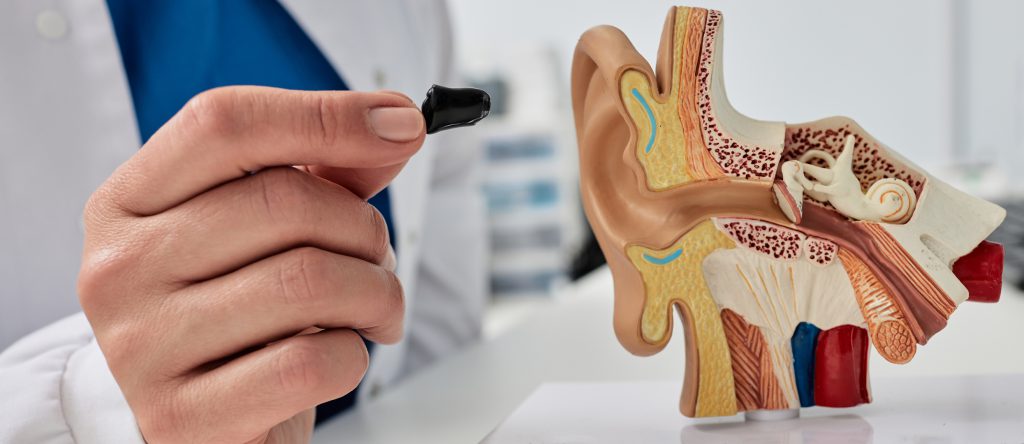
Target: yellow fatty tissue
[674, 275]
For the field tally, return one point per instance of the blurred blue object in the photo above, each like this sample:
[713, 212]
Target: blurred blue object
[510, 196]
[528, 147]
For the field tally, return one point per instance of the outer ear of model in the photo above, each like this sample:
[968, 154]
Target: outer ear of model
[786, 249]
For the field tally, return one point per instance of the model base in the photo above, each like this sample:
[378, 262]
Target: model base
[771, 415]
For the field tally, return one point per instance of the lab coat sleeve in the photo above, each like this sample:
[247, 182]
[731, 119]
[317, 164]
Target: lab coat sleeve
[55, 387]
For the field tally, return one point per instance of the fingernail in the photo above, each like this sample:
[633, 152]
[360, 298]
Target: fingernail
[396, 124]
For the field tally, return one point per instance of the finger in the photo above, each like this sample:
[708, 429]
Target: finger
[364, 182]
[247, 396]
[298, 428]
[360, 180]
[226, 133]
[280, 297]
[258, 216]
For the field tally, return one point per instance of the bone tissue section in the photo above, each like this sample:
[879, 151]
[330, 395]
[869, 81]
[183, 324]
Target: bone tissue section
[777, 241]
[775, 296]
[736, 158]
[871, 161]
[820, 251]
[766, 238]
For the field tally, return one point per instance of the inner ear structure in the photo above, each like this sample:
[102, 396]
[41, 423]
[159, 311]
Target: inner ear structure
[786, 249]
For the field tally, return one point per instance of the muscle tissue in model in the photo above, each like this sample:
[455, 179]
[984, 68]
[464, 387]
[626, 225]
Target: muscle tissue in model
[785, 248]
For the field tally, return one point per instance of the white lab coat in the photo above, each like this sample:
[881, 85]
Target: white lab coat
[66, 122]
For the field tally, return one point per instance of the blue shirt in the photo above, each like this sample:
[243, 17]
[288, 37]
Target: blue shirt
[175, 49]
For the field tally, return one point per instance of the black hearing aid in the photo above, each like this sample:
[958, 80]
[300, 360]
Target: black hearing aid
[446, 108]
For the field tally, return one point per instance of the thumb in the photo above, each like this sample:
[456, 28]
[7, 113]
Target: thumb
[402, 124]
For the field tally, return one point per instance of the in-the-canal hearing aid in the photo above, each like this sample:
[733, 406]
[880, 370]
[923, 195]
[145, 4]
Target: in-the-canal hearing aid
[446, 108]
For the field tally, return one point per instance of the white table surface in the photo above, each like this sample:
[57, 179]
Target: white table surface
[975, 409]
[465, 397]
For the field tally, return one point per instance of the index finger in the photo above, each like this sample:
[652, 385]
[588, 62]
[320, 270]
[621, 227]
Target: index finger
[227, 133]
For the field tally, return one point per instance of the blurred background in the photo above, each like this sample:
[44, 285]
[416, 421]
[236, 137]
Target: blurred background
[940, 81]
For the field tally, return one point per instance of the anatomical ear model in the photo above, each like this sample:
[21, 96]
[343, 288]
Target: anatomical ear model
[785, 248]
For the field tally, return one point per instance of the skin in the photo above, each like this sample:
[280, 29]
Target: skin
[231, 266]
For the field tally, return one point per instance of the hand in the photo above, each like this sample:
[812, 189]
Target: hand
[228, 289]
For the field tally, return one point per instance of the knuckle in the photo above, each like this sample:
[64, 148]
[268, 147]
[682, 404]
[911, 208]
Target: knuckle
[361, 362]
[379, 239]
[120, 343]
[95, 210]
[302, 366]
[282, 194]
[300, 275]
[395, 294]
[103, 212]
[215, 112]
[357, 361]
[112, 260]
[102, 270]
